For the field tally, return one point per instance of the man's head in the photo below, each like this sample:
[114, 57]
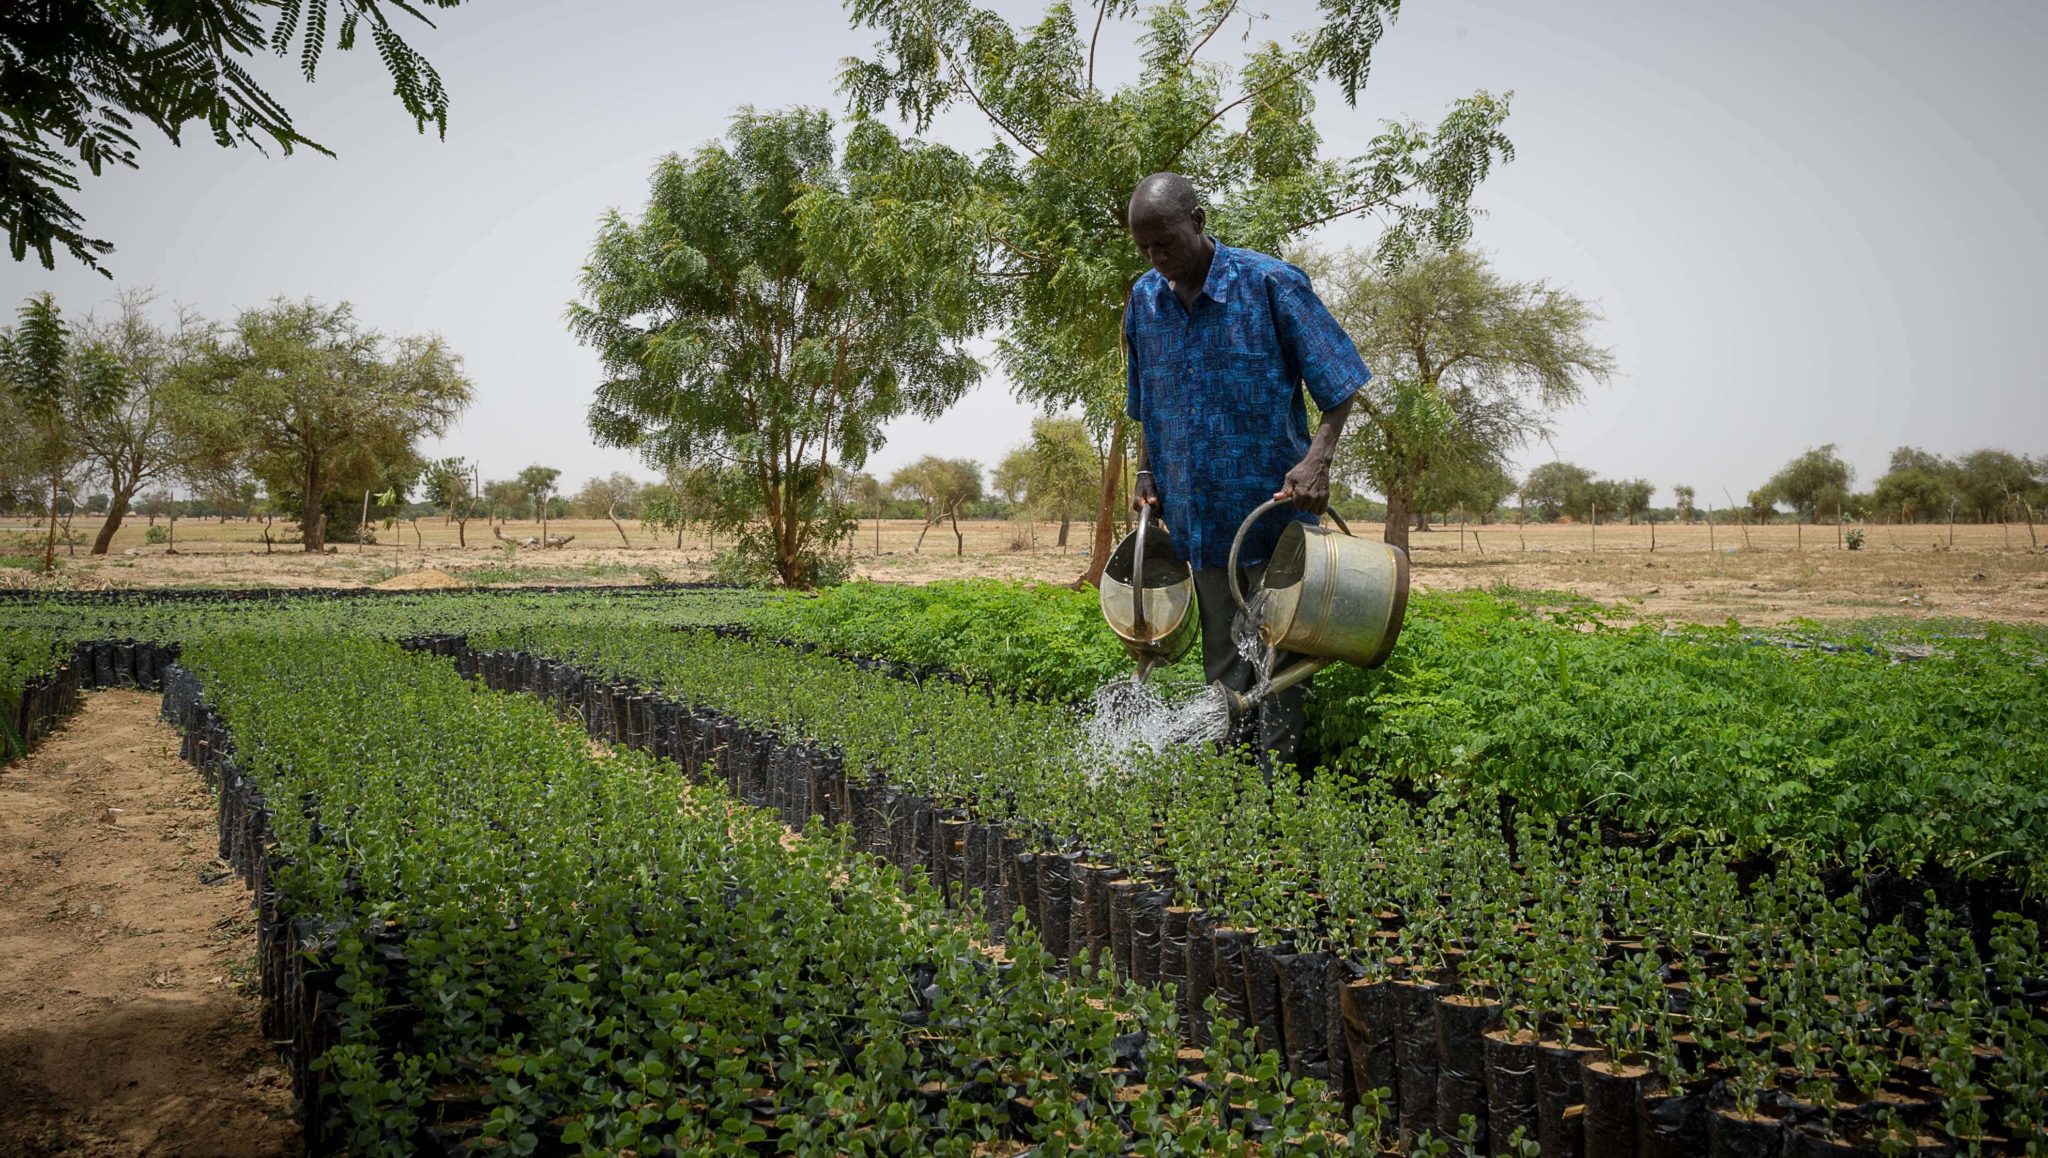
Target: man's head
[1166, 223]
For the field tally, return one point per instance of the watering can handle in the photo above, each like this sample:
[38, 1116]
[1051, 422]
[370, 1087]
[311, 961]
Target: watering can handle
[1237, 541]
[1138, 570]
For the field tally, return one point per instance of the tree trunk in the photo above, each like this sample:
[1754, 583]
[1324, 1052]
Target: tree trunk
[105, 539]
[310, 527]
[1066, 518]
[1421, 519]
[1398, 518]
[959, 542]
[928, 525]
[50, 544]
[611, 513]
[1105, 510]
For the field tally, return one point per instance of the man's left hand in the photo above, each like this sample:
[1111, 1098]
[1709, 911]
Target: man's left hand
[1308, 484]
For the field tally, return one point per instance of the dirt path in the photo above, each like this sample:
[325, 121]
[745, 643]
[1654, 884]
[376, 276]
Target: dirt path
[127, 1025]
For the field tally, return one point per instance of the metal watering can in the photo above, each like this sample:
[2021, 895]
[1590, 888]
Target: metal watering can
[1324, 596]
[1148, 596]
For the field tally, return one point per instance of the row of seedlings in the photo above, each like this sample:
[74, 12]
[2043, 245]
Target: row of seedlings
[1407, 1011]
[864, 1022]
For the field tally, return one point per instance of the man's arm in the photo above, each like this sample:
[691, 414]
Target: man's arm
[1308, 484]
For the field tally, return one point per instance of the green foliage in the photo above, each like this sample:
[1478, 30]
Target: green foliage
[320, 408]
[1986, 484]
[453, 801]
[1056, 474]
[1815, 484]
[537, 483]
[1466, 369]
[941, 486]
[764, 311]
[1040, 641]
[1831, 746]
[1451, 485]
[663, 969]
[1564, 929]
[1053, 186]
[1558, 488]
[81, 74]
[55, 384]
[1563, 488]
[1611, 499]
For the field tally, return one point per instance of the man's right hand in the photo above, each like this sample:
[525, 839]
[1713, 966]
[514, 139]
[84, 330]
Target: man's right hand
[1143, 491]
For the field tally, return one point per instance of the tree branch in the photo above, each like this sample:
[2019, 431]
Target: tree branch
[1361, 207]
[1213, 30]
[1101, 10]
[1307, 60]
[960, 78]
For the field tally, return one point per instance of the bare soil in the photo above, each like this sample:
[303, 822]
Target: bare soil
[1758, 576]
[127, 1013]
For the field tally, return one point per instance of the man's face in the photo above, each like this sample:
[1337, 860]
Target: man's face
[1172, 242]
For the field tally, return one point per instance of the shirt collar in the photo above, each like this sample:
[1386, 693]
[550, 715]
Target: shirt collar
[1222, 271]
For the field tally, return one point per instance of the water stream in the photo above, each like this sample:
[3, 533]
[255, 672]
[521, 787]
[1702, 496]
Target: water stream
[1127, 716]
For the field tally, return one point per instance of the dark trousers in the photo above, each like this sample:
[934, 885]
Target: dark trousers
[1277, 721]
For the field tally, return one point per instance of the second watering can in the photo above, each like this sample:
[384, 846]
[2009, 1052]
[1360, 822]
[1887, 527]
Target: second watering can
[1325, 597]
[1148, 596]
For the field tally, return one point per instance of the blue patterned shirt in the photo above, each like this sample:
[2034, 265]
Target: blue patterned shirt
[1218, 390]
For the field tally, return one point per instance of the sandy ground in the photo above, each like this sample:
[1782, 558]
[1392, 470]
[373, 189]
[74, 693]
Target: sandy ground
[1766, 575]
[127, 1018]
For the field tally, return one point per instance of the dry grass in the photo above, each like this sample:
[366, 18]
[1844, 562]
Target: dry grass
[1771, 575]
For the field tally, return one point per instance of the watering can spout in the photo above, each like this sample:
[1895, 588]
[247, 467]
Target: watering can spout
[1241, 703]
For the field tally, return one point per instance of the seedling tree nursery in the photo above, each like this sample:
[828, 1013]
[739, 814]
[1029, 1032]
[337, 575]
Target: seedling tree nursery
[528, 877]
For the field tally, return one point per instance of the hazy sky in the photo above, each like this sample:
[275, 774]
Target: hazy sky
[1805, 221]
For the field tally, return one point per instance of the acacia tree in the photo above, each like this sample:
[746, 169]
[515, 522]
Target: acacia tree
[447, 483]
[603, 495]
[943, 485]
[134, 443]
[1011, 478]
[1477, 486]
[315, 404]
[1684, 496]
[1992, 483]
[1815, 483]
[56, 384]
[1466, 368]
[1634, 497]
[502, 496]
[1916, 485]
[1054, 185]
[79, 76]
[1558, 488]
[1055, 473]
[537, 483]
[771, 310]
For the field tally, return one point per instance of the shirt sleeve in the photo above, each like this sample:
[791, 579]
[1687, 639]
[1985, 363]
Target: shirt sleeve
[1130, 366]
[1320, 349]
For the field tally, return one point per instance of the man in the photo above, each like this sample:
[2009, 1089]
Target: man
[1220, 343]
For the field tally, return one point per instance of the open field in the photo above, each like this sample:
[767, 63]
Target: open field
[1769, 575]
